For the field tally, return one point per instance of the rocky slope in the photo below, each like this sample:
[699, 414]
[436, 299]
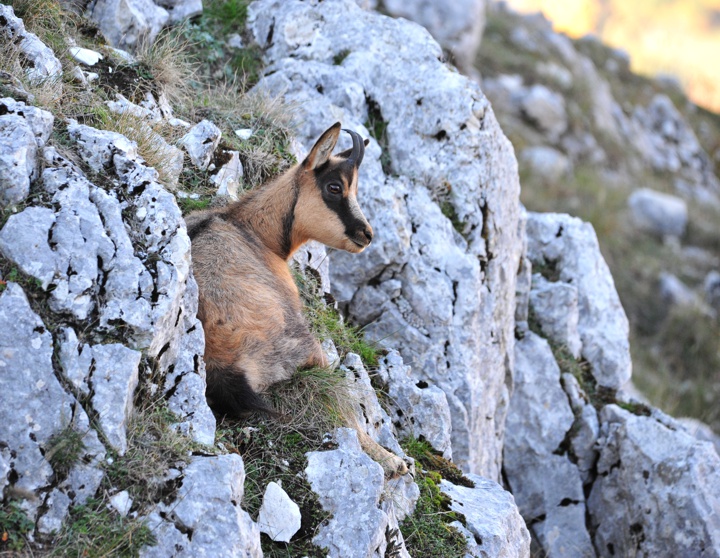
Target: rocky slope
[102, 347]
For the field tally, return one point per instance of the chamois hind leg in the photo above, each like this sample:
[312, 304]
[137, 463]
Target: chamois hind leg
[393, 465]
[317, 357]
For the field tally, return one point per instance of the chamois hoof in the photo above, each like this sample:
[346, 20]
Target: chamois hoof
[394, 467]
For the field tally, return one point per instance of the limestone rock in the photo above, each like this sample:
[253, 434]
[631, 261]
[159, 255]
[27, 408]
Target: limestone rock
[585, 429]
[657, 491]
[421, 409]
[546, 110]
[121, 502]
[570, 246]
[711, 286]
[185, 385]
[668, 143]
[279, 517]
[181, 9]
[433, 289]
[85, 55]
[229, 177]
[113, 384]
[126, 23]
[546, 162]
[29, 389]
[676, 293]
[349, 485]
[39, 60]
[555, 306]
[18, 159]
[457, 26]
[23, 131]
[206, 519]
[491, 517]
[546, 485]
[200, 143]
[658, 213]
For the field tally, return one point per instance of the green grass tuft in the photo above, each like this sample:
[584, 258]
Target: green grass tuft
[14, 527]
[64, 450]
[326, 323]
[95, 530]
[426, 531]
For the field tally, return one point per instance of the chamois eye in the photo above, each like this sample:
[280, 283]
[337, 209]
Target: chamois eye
[334, 189]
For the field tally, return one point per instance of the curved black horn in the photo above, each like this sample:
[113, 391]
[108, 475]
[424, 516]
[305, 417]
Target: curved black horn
[358, 149]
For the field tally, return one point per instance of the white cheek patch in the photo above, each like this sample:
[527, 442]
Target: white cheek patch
[355, 209]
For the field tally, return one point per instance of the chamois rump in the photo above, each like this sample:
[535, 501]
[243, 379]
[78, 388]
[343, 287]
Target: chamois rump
[250, 308]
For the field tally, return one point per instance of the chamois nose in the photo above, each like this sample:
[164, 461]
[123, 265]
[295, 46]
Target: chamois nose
[368, 232]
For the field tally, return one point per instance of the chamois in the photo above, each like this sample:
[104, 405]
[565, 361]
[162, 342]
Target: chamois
[250, 308]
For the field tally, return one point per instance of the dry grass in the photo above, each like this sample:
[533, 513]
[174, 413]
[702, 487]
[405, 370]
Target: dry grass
[265, 154]
[154, 141]
[169, 61]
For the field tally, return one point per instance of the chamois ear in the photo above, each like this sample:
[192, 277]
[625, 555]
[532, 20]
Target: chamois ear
[345, 154]
[323, 148]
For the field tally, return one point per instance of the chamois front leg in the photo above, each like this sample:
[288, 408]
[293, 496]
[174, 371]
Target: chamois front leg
[393, 465]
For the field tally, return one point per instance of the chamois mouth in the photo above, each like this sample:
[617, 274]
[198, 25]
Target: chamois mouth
[360, 244]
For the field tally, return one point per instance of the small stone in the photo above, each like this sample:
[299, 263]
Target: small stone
[121, 502]
[279, 516]
[85, 55]
[244, 133]
[228, 178]
[658, 213]
[235, 41]
[200, 143]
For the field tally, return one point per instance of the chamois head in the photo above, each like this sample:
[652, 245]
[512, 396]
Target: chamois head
[327, 209]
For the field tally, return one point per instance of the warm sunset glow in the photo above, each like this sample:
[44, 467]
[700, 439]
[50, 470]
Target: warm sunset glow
[675, 37]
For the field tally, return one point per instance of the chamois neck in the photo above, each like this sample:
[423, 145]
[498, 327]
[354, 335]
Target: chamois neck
[269, 213]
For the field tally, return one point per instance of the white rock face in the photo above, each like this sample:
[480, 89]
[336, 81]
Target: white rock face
[125, 23]
[349, 485]
[18, 162]
[570, 246]
[421, 409]
[546, 110]
[492, 518]
[668, 143]
[657, 491]
[433, 290]
[658, 213]
[457, 26]
[23, 132]
[113, 384]
[200, 143]
[279, 517]
[39, 60]
[555, 306]
[206, 519]
[29, 389]
[181, 9]
[546, 162]
[546, 485]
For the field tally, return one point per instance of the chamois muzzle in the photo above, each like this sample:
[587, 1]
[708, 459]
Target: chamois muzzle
[358, 149]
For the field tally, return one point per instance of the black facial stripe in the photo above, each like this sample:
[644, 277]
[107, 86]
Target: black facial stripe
[336, 173]
[341, 207]
[199, 227]
[288, 221]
